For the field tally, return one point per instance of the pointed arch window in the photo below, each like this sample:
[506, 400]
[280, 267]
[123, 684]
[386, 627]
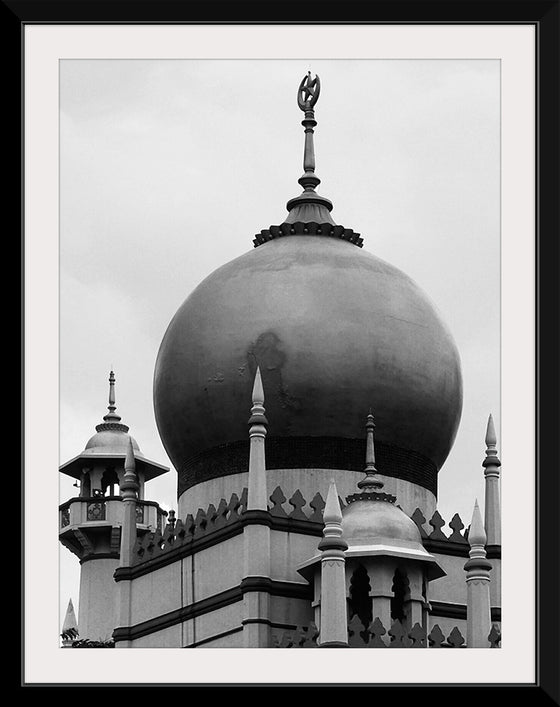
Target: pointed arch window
[85, 488]
[109, 482]
[360, 601]
[400, 590]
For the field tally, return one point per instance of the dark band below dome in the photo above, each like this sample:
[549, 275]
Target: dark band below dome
[309, 453]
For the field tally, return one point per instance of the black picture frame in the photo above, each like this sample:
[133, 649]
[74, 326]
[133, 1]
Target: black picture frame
[544, 15]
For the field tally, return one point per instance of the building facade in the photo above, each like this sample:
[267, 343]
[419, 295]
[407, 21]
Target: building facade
[307, 394]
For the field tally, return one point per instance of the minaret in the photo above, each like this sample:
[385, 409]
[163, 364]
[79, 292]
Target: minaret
[70, 627]
[256, 533]
[90, 524]
[334, 622]
[492, 464]
[129, 490]
[478, 569]
[257, 497]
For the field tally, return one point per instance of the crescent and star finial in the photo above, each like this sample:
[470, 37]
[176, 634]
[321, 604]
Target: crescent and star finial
[308, 92]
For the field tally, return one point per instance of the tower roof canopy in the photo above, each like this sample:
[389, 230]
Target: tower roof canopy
[109, 446]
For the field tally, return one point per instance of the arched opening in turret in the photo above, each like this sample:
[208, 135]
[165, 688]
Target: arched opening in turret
[85, 489]
[400, 590]
[360, 601]
[109, 482]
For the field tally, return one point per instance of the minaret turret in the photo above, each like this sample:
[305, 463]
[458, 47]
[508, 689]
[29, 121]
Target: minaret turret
[91, 523]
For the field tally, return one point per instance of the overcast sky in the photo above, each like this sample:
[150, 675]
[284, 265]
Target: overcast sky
[169, 169]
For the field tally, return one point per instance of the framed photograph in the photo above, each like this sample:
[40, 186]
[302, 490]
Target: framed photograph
[290, 346]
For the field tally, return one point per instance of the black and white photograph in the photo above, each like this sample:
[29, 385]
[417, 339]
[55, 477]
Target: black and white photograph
[294, 348]
[299, 262]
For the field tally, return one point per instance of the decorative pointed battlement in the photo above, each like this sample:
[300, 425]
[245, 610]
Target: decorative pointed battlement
[112, 421]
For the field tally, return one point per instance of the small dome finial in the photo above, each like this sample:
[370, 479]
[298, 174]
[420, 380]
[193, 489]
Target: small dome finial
[112, 416]
[371, 482]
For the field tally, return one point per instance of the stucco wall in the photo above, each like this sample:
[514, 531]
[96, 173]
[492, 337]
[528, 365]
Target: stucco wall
[287, 551]
[309, 482]
[451, 588]
[215, 623]
[97, 615]
[213, 570]
[156, 593]
[166, 638]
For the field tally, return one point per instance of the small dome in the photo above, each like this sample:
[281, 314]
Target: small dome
[376, 522]
[110, 441]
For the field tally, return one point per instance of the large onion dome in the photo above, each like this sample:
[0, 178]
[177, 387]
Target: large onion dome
[334, 330]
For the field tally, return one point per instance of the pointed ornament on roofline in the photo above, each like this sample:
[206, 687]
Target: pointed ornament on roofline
[112, 421]
[371, 482]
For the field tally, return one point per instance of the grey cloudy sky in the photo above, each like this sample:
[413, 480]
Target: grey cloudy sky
[169, 168]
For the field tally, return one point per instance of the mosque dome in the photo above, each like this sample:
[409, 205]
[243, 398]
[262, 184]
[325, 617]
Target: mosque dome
[334, 330]
[110, 441]
[367, 522]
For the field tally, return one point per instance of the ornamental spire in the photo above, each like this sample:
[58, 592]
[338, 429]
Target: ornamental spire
[112, 421]
[371, 482]
[309, 206]
[492, 466]
[111, 415]
[257, 493]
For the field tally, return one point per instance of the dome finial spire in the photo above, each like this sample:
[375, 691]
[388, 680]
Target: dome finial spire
[111, 415]
[371, 482]
[308, 95]
[309, 206]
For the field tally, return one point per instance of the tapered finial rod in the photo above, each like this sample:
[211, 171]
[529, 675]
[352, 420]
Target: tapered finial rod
[371, 482]
[308, 94]
[112, 415]
[309, 206]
